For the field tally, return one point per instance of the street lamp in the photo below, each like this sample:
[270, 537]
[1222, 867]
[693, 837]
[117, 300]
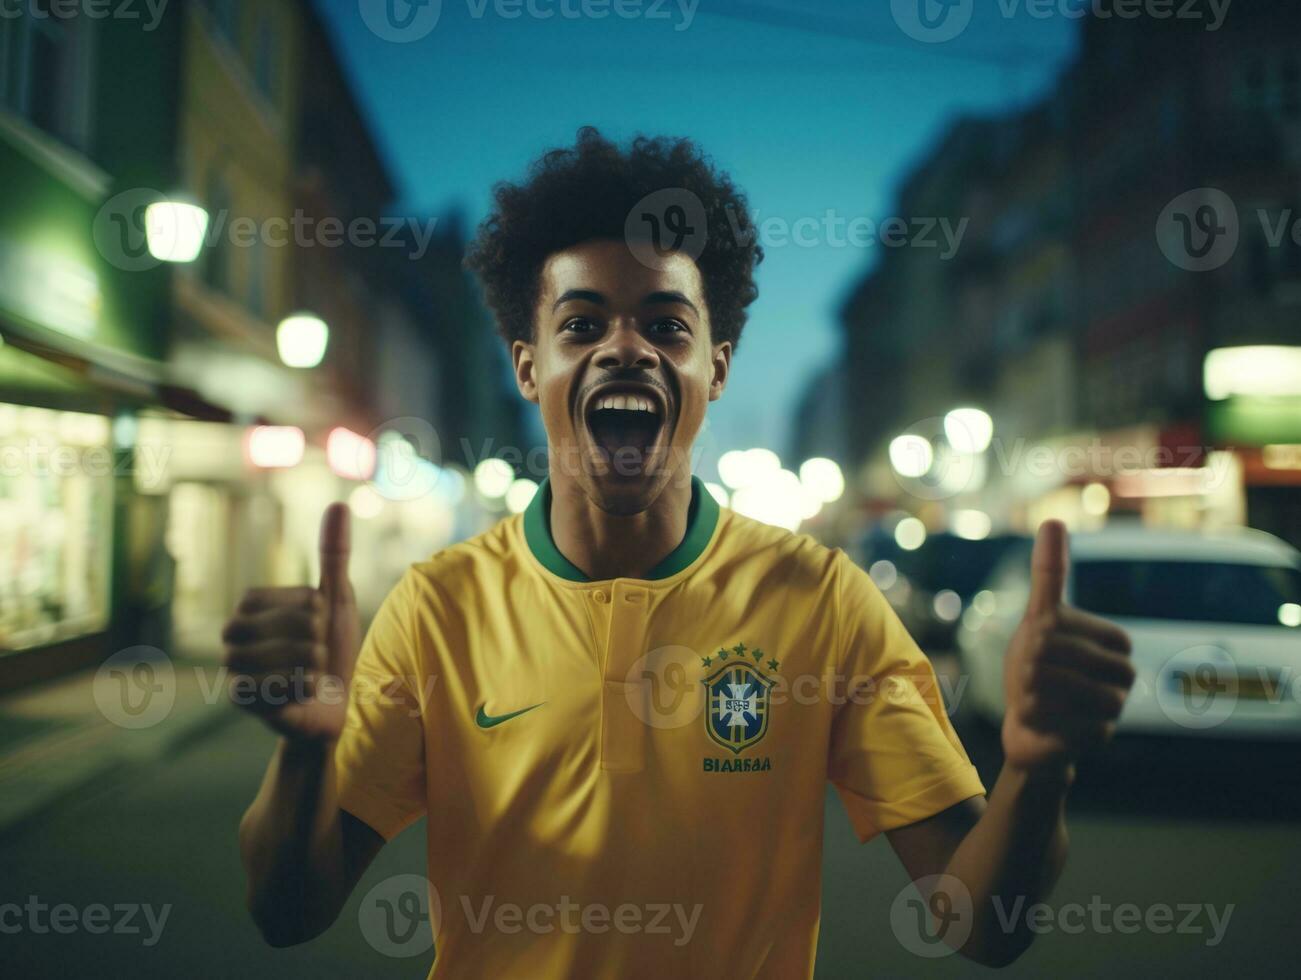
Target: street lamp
[823, 479]
[175, 229]
[969, 430]
[301, 339]
[911, 455]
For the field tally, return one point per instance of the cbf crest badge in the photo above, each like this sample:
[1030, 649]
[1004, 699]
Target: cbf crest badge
[737, 698]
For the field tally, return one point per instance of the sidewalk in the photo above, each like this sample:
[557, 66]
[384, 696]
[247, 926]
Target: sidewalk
[138, 707]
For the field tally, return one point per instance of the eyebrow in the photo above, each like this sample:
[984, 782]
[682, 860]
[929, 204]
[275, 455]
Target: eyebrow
[592, 296]
[570, 295]
[671, 296]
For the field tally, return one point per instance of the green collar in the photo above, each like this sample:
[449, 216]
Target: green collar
[701, 518]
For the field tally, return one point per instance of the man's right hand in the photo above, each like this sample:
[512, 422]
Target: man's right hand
[291, 651]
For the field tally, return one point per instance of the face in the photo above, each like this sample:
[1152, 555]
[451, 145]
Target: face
[623, 366]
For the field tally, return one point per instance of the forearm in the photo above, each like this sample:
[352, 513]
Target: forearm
[291, 845]
[1011, 859]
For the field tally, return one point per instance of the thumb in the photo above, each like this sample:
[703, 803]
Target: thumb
[1048, 568]
[336, 545]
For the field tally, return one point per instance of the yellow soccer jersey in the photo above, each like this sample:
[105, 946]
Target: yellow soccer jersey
[626, 778]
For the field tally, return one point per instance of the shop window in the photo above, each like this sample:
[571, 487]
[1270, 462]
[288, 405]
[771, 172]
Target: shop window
[265, 67]
[225, 19]
[56, 494]
[217, 257]
[45, 70]
[258, 258]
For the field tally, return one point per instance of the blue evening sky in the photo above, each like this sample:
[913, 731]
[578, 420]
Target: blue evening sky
[811, 106]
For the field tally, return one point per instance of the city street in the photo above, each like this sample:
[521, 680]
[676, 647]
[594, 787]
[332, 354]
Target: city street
[1154, 825]
[372, 349]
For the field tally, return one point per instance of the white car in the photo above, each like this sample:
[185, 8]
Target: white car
[1215, 620]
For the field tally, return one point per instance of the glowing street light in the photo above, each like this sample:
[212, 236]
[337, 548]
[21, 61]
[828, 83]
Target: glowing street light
[1273, 372]
[520, 494]
[732, 468]
[493, 478]
[301, 339]
[739, 469]
[823, 479]
[968, 430]
[972, 525]
[910, 534]
[1095, 499]
[174, 230]
[778, 500]
[911, 456]
[350, 455]
[365, 502]
[275, 446]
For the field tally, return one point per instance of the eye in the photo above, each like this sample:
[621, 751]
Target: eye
[579, 324]
[668, 325]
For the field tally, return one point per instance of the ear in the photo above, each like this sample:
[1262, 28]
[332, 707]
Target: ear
[722, 361]
[521, 355]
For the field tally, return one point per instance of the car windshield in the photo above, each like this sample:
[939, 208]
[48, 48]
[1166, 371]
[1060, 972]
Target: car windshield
[945, 561]
[1198, 591]
[949, 562]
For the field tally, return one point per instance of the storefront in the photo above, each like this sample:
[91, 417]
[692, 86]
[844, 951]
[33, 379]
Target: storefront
[79, 342]
[56, 520]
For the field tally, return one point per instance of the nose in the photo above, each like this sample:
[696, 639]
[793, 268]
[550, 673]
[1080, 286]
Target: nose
[624, 346]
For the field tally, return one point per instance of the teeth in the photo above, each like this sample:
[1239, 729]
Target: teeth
[626, 403]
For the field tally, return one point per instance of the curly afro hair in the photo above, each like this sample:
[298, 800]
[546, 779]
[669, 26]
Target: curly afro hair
[587, 192]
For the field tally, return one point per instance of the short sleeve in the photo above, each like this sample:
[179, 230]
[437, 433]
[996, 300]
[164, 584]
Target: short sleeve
[380, 758]
[894, 756]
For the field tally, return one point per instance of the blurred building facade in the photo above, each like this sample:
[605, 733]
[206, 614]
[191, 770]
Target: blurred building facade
[1062, 315]
[134, 504]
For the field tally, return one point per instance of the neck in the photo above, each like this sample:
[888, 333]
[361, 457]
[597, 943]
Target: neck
[606, 546]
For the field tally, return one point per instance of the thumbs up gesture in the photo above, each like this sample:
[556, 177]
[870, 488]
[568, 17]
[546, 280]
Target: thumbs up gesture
[291, 651]
[1067, 672]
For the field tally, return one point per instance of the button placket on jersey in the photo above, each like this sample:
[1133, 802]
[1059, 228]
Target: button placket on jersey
[623, 731]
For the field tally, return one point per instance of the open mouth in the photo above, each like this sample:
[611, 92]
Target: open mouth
[625, 428]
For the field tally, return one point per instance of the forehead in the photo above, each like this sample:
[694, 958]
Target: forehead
[610, 268]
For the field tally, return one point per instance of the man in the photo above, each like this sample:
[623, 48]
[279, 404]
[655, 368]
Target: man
[619, 710]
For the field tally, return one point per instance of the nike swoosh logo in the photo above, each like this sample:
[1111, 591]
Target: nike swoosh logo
[485, 720]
